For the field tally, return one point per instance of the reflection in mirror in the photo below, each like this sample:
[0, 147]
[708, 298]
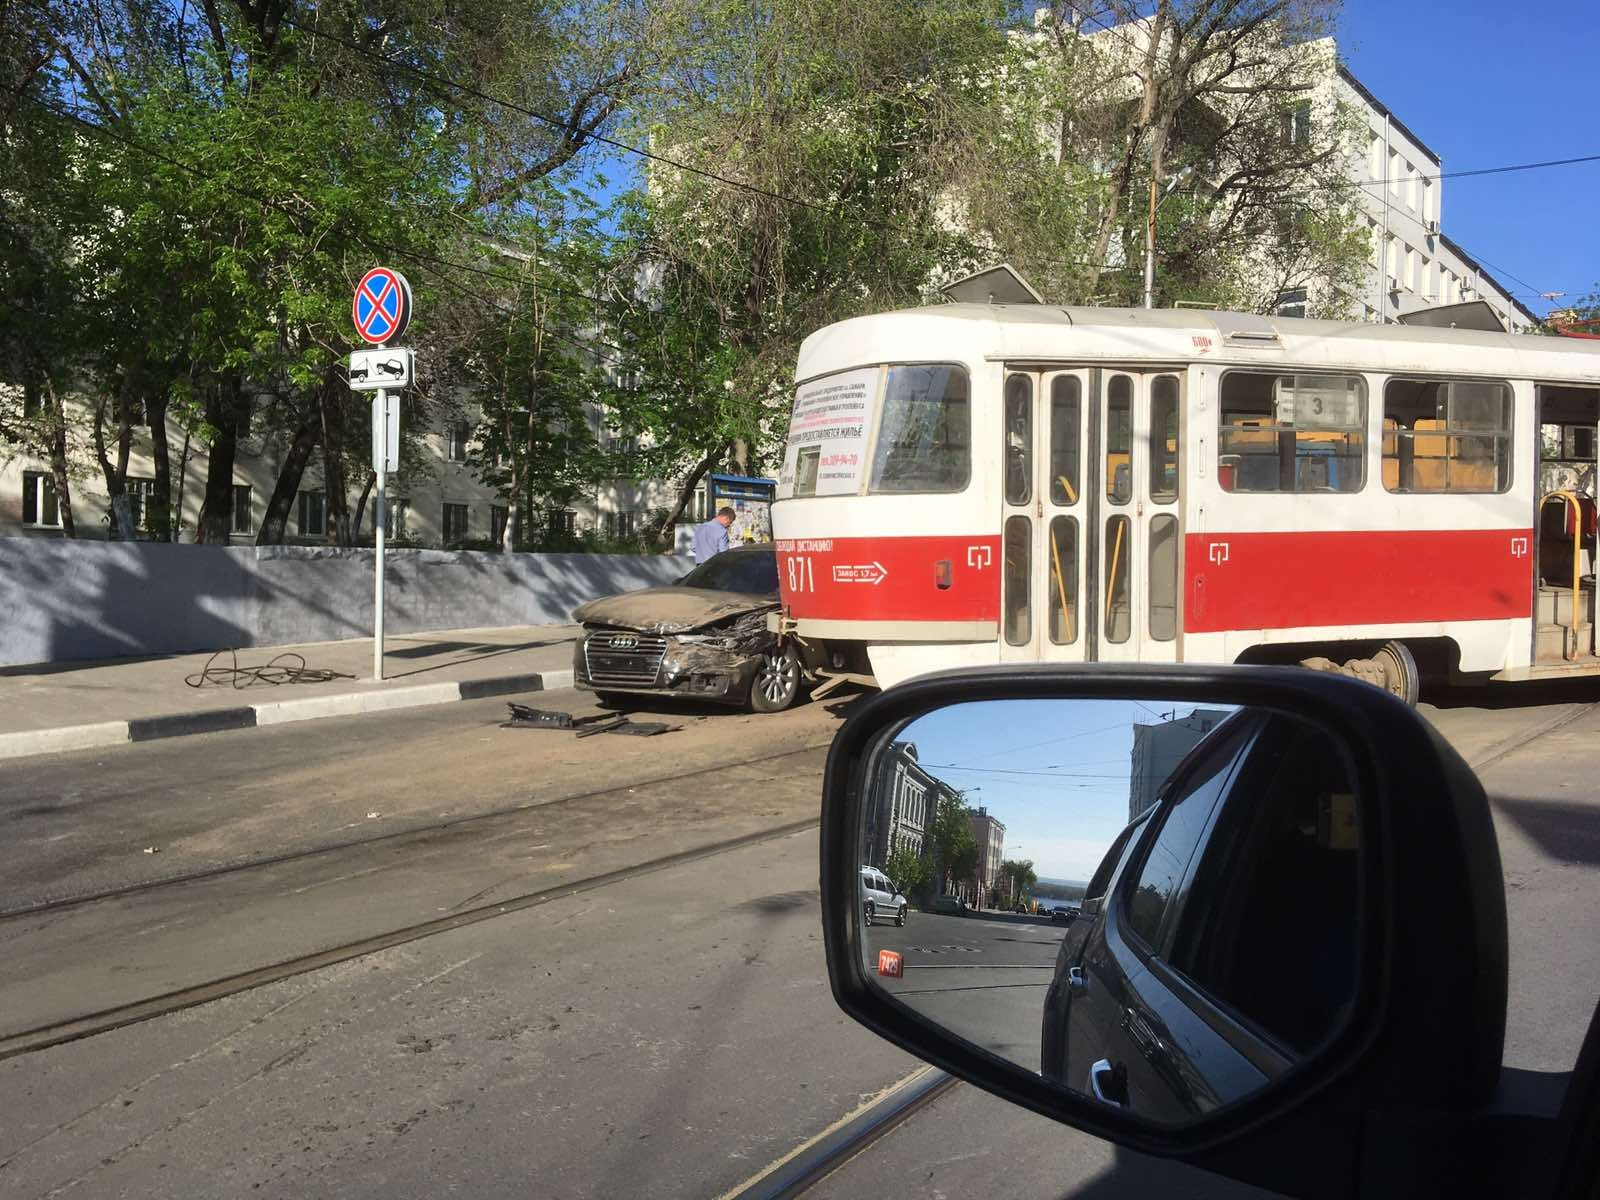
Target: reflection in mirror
[1151, 904]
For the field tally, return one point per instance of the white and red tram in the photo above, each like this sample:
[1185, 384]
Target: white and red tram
[969, 484]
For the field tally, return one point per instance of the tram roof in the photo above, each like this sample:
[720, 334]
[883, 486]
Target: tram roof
[1023, 331]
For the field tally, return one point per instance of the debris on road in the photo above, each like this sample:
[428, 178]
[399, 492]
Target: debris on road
[523, 717]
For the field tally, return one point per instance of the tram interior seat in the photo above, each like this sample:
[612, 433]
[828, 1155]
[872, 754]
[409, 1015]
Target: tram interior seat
[1439, 463]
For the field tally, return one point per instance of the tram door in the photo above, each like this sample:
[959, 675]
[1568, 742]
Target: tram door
[1090, 534]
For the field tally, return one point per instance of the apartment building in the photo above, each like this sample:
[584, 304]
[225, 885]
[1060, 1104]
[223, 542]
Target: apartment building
[1414, 263]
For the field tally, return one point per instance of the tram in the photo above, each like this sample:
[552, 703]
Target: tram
[977, 483]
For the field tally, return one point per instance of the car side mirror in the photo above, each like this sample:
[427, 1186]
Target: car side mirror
[1292, 923]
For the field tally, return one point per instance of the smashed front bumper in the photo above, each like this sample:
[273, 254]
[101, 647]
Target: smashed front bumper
[710, 666]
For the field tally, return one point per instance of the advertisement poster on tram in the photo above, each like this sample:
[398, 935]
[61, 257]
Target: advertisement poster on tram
[828, 435]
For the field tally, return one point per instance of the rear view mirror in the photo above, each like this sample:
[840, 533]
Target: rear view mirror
[1280, 902]
[1225, 947]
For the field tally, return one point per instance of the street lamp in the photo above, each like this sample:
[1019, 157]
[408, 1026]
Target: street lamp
[1150, 234]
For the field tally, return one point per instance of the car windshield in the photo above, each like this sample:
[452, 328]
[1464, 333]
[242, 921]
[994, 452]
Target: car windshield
[751, 571]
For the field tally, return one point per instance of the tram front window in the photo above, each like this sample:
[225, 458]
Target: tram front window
[925, 438]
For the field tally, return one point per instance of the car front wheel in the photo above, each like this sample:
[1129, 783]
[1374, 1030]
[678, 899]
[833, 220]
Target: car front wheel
[776, 682]
[900, 917]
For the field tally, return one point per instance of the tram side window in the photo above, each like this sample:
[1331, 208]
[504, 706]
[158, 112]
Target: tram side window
[1291, 433]
[1446, 436]
[1066, 418]
[1019, 439]
[925, 437]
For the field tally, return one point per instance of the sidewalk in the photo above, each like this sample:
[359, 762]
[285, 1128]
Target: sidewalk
[79, 706]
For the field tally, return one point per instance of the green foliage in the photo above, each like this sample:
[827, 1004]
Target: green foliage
[911, 872]
[951, 835]
[1021, 874]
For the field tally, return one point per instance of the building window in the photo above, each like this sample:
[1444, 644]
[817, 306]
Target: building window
[1395, 173]
[1296, 124]
[312, 514]
[1441, 436]
[619, 524]
[455, 523]
[456, 442]
[396, 516]
[1375, 158]
[1291, 303]
[243, 508]
[561, 522]
[1291, 433]
[39, 507]
[138, 492]
[32, 402]
[499, 518]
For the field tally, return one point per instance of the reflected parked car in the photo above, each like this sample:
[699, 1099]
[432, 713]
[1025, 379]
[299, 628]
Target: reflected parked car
[880, 897]
[704, 637]
[953, 906]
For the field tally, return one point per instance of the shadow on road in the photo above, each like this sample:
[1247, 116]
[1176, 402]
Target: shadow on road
[1514, 695]
[1563, 829]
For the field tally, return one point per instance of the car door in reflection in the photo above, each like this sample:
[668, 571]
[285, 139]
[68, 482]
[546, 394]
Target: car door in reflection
[1227, 949]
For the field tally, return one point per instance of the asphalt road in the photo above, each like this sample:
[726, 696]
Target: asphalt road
[668, 1033]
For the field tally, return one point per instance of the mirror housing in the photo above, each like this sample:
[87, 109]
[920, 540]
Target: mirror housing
[1426, 1031]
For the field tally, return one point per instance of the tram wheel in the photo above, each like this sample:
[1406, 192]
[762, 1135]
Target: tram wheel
[1400, 675]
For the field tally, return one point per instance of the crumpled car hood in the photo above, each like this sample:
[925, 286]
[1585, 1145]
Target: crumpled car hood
[670, 609]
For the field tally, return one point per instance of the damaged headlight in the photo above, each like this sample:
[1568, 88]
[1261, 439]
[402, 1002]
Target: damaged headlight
[717, 640]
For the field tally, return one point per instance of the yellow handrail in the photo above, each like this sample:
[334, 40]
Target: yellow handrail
[1569, 646]
[1111, 577]
[1061, 589]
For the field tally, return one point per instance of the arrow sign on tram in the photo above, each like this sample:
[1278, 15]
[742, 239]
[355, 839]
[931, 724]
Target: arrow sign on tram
[381, 309]
[872, 572]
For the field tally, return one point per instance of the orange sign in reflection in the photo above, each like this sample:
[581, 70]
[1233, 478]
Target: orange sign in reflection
[890, 963]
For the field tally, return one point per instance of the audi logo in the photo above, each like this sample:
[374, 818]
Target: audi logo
[624, 641]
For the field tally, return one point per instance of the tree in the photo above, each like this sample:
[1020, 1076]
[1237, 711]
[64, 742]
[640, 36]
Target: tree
[1022, 876]
[1222, 99]
[955, 848]
[910, 871]
[798, 188]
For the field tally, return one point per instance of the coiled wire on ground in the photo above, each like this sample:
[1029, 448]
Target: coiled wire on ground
[288, 667]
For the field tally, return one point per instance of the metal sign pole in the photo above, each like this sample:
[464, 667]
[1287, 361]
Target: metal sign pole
[380, 516]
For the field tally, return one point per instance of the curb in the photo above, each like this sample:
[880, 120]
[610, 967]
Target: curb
[279, 712]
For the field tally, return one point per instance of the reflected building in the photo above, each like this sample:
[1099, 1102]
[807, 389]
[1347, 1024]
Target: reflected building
[990, 834]
[1159, 748]
[902, 812]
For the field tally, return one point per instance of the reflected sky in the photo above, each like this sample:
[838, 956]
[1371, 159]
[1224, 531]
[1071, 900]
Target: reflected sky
[1055, 772]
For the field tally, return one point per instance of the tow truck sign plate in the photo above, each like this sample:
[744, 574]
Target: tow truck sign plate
[383, 368]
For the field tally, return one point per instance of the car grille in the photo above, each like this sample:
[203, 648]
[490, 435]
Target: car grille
[623, 658]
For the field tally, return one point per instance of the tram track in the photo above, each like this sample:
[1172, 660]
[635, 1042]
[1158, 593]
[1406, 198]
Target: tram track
[44, 1036]
[422, 829]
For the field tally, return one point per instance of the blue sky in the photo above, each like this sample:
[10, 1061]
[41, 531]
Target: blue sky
[1484, 85]
[1055, 772]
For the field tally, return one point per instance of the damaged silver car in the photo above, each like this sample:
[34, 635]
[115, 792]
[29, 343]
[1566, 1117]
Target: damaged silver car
[704, 637]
